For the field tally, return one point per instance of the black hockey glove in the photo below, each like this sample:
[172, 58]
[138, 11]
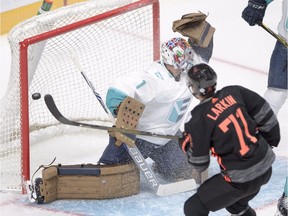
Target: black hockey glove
[185, 143]
[254, 13]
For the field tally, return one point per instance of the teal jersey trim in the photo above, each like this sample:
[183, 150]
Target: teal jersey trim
[141, 84]
[113, 98]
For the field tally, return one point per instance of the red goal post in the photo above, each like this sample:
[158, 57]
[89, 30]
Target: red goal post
[110, 38]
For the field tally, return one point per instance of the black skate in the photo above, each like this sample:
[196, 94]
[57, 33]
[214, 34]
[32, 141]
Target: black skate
[35, 191]
[282, 206]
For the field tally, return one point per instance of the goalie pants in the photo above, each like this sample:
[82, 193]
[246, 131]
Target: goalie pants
[276, 93]
[216, 193]
[277, 77]
[169, 159]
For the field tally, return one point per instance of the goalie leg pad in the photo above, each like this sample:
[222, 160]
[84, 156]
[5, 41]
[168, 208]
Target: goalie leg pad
[48, 188]
[89, 182]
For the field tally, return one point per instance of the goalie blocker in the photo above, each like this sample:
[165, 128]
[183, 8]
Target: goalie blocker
[87, 181]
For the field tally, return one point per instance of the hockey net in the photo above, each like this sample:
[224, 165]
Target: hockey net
[109, 37]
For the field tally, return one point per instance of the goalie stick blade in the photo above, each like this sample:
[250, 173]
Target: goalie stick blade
[50, 103]
[159, 189]
[176, 187]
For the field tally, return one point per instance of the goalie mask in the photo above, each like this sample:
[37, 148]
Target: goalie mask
[177, 52]
[202, 80]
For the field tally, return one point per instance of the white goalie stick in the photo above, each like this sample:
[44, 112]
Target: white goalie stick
[90, 84]
[160, 189]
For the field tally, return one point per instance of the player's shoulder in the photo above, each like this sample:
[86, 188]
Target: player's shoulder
[157, 71]
[236, 91]
[155, 66]
[233, 88]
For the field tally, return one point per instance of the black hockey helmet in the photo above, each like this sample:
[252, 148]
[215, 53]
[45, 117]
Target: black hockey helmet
[202, 80]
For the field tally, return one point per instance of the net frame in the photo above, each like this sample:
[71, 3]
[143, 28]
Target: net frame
[25, 45]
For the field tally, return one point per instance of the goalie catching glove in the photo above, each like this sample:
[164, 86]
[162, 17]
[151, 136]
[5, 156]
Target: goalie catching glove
[195, 27]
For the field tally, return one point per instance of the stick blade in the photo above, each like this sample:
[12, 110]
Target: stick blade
[176, 187]
[50, 103]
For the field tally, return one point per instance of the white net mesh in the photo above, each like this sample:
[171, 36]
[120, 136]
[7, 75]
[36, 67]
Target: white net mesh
[115, 45]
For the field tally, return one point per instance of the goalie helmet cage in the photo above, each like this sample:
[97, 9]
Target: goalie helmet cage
[110, 38]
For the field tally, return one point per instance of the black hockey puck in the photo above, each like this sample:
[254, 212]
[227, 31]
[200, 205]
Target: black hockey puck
[36, 96]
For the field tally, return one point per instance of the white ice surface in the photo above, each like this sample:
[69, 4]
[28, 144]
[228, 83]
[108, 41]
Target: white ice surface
[241, 56]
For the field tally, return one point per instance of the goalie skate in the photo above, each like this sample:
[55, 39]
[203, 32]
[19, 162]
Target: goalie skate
[35, 193]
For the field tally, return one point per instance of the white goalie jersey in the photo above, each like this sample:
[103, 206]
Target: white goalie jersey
[166, 100]
[283, 24]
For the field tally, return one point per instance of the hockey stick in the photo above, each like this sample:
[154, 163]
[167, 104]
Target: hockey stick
[45, 7]
[160, 189]
[279, 38]
[50, 103]
[90, 84]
